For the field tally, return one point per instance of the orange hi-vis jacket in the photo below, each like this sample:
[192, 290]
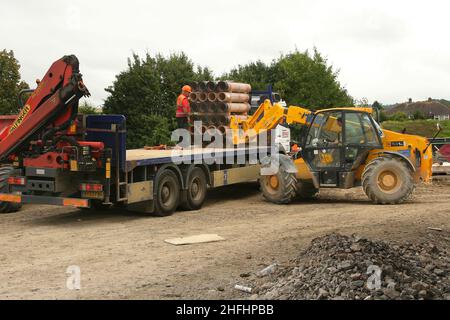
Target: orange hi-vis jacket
[183, 107]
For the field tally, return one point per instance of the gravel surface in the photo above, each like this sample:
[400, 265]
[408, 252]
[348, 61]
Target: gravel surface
[342, 267]
[123, 255]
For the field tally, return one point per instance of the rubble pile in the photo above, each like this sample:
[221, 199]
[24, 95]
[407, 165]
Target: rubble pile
[339, 267]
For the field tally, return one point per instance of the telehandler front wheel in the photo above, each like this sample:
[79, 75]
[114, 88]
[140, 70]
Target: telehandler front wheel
[387, 180]
[280, 188]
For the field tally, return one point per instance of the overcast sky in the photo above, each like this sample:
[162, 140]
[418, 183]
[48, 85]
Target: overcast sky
[386, 50]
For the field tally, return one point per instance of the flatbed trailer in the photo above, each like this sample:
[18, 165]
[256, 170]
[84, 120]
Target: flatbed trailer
[151, 181]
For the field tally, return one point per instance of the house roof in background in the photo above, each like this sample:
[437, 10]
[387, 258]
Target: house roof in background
[430, 107]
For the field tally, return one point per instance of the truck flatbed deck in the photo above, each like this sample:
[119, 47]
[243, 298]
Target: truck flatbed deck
[143, 157]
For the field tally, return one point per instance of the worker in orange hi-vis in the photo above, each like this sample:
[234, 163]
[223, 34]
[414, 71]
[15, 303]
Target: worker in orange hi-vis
[183, 107]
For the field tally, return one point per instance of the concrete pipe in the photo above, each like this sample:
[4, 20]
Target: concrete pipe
[221, 107]
[233, 97]
[212, 107]
[212, 96]
[202, 118]
[214, 120]
[194, 106]
[203, 86]
[211, 86]
[207, 119]
[193, 96]
[238, 107]
[202, 97]
[222, 120]
[202, 107]
[194, 86]
[228, 86]
[195, 117]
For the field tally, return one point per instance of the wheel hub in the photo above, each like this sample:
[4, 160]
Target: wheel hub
[388, 181]
[194, 189]
[273, 182]
[165, 193]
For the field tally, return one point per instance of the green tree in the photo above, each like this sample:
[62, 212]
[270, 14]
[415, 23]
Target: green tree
[203, 74]
[399, 116]
[377, 105]
[383, 116]
[86, 108]
[10, 83]
[378, 112]
[308, 80]
[418, 115]
[146, 94]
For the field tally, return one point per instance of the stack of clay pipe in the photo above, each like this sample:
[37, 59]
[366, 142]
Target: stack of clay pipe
[213, 103]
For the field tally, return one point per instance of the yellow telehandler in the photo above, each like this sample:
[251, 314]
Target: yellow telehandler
[339, 148]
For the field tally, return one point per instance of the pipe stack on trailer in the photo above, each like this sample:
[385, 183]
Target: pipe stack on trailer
[213, 103]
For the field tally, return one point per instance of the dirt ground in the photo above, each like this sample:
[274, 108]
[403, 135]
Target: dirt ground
[123, 255]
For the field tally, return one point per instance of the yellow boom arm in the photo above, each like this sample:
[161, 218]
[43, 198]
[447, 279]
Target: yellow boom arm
[267, 117]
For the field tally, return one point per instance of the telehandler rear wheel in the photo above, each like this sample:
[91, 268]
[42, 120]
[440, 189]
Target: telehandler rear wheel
[280, 188]
[387, 180]
[7, 207]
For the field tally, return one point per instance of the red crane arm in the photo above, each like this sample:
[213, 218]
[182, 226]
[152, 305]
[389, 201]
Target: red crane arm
[53, 103]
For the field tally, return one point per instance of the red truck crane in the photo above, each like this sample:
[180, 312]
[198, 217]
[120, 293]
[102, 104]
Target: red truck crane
[49, 154]
[43, 137]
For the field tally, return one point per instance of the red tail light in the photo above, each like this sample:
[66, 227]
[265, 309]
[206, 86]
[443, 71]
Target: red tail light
[17, 181]
[91, 187]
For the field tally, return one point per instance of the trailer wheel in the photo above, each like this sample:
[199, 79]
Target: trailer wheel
[7, 207]
[196, 190]
[280, 188]
[167, 196]
[387, 180]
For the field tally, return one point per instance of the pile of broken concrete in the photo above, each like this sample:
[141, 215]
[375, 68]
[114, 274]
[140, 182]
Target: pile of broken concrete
[340, 267]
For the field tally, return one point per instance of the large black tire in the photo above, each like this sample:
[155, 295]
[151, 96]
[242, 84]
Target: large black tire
[7, 207]
[280, 188]
[388, 180]
[306, 190]
[167, 193]
[197, 188]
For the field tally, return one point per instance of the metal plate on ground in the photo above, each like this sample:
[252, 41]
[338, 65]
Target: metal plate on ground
[202, 238]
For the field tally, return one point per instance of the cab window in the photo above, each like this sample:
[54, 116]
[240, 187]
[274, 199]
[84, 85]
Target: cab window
[369, 131]
[326, 130]
[353, 130]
